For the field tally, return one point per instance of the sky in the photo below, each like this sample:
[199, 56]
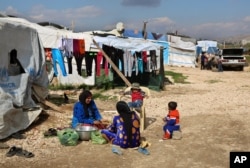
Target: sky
[200, 19]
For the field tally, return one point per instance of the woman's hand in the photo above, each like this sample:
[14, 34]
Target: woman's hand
[97, 122]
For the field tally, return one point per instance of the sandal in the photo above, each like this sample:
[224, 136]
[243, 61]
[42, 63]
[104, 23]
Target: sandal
[24, 153]
[50, 132]
[116, 151]
[143, 151]
[13, 150]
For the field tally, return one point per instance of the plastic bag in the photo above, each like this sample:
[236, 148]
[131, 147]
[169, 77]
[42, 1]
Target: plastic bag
[68, 137]
[97, 138]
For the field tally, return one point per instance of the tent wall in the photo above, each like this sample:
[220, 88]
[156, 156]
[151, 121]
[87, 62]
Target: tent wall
[206, 44]
[31, 56]
[16, 90]
[165, 46]
[181, 53]
[179, 57]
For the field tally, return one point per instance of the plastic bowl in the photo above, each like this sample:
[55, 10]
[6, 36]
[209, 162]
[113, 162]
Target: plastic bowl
[84, 132]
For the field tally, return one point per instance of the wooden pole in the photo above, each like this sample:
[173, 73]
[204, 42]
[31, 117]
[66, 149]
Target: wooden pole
[52, 105]
[113, 65]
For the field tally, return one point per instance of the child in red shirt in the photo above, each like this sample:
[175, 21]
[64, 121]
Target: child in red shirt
[171, 120]
[137, 96]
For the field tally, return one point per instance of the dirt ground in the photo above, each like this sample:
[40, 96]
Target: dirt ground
[215, 119]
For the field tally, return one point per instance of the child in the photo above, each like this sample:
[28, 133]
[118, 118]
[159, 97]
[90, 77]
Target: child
[137, 96]
[171, 120]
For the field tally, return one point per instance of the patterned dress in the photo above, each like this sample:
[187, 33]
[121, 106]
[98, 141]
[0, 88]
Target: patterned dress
[116, 132]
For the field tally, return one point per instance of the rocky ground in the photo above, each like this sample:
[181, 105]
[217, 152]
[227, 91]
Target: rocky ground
[215, 119]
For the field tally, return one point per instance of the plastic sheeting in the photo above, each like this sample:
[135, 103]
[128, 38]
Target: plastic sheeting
[16, 91]
[181, 53]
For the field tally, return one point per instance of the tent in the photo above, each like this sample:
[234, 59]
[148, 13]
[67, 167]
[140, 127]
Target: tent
[181, 53]
[22, 72]
[208, 46]
[178, 51]
[52, 38]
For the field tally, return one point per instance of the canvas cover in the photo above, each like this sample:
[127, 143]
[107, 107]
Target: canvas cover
[181, 53]
[206, 44]
[16, 88]
[132, 44]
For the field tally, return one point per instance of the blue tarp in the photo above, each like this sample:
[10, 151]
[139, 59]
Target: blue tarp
[165, 52]
[212, 50]
[139, 34]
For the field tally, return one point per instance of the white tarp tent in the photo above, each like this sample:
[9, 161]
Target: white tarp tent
[16, 87]
[181, 53]
[205, 44]
[52, 38]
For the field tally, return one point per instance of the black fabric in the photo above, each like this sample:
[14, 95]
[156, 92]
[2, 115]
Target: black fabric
[14, 60]
[153, 61]
[89, 57]
[79, 64]
[105, 48]
[69, 60]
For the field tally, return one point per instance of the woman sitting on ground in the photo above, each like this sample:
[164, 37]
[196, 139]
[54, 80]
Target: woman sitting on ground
[86, 112]
[125, 128]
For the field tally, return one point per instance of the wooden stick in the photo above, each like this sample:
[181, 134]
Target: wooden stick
[52, 105]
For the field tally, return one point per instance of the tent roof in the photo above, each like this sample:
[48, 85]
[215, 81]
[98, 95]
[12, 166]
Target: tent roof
[127, 43]
[50, 37]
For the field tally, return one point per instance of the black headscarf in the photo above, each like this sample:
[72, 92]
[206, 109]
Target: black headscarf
[126, 114]
[82, 98]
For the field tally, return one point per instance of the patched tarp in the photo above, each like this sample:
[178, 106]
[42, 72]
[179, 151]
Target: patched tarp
[22, 66]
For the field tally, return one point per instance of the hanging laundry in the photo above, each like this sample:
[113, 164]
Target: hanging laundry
[78, 56]
[67, 50]
[69, 61]
[128, 63]
[48, 58]
[99, 58]
[120, 58]
[58, 59]
[153, 61]
[81, 43]
[89, 57]
[139, 61]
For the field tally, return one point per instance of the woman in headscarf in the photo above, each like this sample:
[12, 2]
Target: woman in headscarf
[125, 128]
[85, 111]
